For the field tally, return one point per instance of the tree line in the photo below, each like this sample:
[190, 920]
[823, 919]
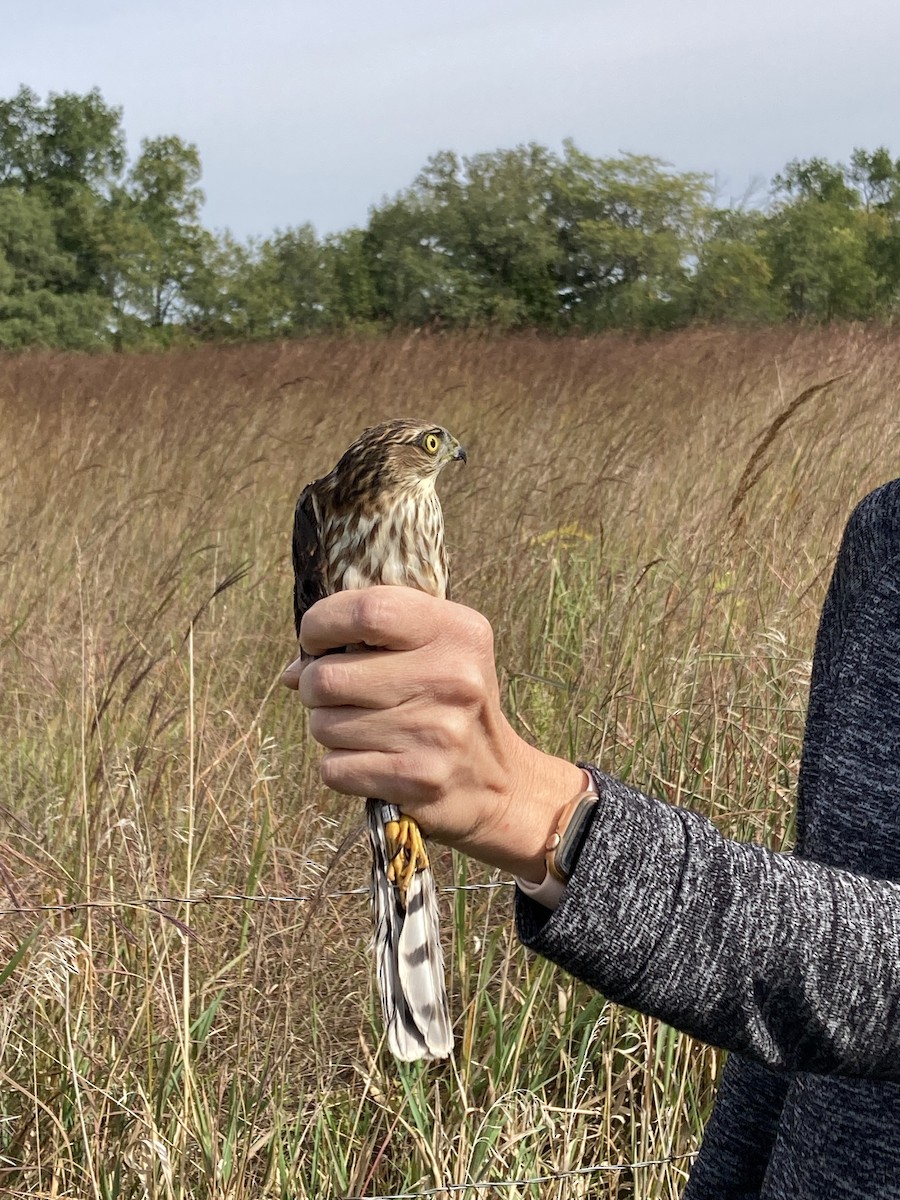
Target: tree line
[99, 251]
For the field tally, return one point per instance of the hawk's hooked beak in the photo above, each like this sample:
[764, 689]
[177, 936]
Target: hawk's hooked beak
[459, 454]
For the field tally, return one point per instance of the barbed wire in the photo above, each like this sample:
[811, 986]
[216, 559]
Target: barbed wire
[208, 897]
[449, 1189]
[155, 903]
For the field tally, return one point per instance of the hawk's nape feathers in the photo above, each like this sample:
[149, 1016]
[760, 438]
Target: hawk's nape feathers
[376, 519]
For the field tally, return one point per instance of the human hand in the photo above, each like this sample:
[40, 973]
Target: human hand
[419, 724]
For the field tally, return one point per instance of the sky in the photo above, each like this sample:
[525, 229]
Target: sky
[314, 110]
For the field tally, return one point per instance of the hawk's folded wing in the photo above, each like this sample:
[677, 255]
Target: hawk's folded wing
[306, 547]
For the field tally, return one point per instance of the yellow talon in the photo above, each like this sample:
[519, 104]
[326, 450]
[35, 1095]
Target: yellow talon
[406, 853]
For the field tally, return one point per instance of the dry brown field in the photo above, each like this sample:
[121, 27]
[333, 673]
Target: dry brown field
[186, 997]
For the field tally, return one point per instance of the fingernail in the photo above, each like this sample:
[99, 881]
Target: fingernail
[291, 675]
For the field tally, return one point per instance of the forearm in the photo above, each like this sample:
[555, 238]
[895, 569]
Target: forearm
[796, 965]
[527, 813]
[788, 962]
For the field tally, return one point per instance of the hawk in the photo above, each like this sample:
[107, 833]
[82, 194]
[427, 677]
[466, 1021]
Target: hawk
[376, 519]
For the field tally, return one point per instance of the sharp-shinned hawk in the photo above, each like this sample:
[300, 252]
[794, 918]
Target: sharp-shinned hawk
[376, 519]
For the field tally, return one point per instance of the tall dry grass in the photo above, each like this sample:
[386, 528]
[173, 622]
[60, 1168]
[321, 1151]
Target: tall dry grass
[655, 601]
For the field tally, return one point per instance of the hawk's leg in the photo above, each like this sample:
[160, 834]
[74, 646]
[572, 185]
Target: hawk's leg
[406, 853]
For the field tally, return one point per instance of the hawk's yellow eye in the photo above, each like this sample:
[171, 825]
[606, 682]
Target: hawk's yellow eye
[431, 442]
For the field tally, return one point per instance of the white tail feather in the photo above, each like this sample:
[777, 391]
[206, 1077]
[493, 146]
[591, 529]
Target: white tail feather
[410, 962]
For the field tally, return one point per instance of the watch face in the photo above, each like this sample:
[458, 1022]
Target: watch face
[566, 858]
[574, 835]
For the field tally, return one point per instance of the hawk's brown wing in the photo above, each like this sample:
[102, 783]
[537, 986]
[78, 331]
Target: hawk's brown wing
[308, 557]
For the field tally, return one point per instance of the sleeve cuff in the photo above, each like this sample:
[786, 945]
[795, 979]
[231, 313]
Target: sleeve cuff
[618, 904]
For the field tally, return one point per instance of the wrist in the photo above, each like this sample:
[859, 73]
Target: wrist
[538, 789]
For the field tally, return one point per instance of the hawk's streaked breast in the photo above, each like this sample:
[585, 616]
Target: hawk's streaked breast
[402, 544]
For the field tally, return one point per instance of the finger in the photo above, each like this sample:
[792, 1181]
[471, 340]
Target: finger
[371, 773]
[357, 773]
[350, 728]
[365, 679]
[291, 675]
[393, 618]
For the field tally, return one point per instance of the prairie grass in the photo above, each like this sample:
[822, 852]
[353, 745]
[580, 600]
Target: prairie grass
[654, 588]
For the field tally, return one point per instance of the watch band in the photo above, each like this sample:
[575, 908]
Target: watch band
[565, 843]
[564, 846]
[548, 893]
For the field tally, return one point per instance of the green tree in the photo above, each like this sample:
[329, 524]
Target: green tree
[819, 255]
[732, 280]
[303, 271]
[470, 242]
[525, 237]
[163, 240]
[37, 305]
[238, 294]
[353, 297]
[508, 235]
[815, 179]
[628, 228]
[876, 177]
[416, 277]
[818, 244]
[70, 152]
[71, 141]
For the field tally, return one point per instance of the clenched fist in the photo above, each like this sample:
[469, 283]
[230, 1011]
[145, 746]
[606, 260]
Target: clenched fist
[419, 724]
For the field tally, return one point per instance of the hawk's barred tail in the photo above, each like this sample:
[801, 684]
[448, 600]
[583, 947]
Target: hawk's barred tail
[408, 950]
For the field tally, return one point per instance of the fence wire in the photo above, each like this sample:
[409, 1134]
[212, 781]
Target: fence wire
[452, 1189]
[156, 903]
[207, 897]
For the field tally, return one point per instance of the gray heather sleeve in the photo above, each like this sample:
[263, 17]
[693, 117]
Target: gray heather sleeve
[789, 962]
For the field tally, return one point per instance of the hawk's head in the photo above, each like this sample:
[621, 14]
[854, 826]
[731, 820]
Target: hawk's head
[396, 457]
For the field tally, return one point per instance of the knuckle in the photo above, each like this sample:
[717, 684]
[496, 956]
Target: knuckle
[328, 680]
[468, 682]
[426, 774]
[303, 631]
[309, 629]
[418, 771]
[318, 725]
[480, 632]
[330, 770]
[327, 772]
[454, 730]
[308, 687]
[440, 779]
[371, 615]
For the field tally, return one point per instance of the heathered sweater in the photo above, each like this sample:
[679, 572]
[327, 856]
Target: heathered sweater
[790, 961]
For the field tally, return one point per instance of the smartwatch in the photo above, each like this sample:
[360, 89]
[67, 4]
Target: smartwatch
[564, 846]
